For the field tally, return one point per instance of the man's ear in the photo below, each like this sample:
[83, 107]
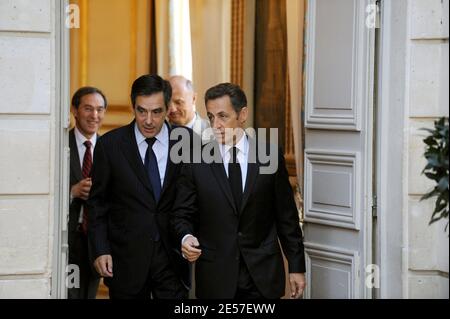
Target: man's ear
[243, 114]
[73, 110]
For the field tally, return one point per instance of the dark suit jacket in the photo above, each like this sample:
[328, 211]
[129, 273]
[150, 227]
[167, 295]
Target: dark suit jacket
[75, 177]
[205, 209]
[122, 208]
[76, 204]
[79, 250]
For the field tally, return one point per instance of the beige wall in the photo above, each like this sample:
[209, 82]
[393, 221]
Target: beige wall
[117, 41]
[427, 99]
[117, 51]
[211, 40]
[27, 141]
[109, 46]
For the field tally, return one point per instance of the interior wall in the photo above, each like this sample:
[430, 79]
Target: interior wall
[211, 40]
[162, 37]
[110, 50]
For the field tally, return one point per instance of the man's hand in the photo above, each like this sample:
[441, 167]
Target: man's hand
[81, 189]
[298, 284]
[189, 248]
[104, 265]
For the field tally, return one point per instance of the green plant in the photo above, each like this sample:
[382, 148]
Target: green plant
[436, 153]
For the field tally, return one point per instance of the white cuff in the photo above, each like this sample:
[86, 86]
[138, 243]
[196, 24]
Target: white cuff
[184, 238]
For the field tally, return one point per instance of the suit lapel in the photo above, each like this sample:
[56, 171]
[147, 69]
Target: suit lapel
[252, 174]
[74, 156]
[170, 166]
[218, 170]
[131, 153]
[252, 171]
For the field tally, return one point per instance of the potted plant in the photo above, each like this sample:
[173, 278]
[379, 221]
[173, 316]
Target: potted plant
[436, 153]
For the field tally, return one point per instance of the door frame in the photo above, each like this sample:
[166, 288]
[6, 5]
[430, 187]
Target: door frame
[61, 174]
[392, 220]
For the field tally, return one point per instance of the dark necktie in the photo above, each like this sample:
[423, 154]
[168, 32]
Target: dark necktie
[86, 172]
[235, 177]
[151, 165]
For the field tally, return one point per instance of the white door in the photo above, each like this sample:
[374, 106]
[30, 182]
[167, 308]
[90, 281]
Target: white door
[338, 143]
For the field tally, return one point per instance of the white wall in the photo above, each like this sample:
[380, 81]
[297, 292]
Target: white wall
[413, 92]
[427, 98]
[27, 147]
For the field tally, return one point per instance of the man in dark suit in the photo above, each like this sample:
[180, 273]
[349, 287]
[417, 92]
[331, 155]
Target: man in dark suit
[88, 109]
[132, 193]
[182, 112]
[229, 215]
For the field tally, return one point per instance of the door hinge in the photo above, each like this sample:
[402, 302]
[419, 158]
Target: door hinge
[378, 14]
[374, 205]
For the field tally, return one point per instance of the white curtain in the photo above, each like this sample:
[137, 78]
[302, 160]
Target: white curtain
[180, 52]
[173, 29]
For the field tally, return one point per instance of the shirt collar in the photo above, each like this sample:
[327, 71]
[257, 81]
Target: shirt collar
[191, 123]
[162, 136]
[80, 138]
[241, 145]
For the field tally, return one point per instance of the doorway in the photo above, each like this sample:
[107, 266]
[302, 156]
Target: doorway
[95, 56]
[339, 82]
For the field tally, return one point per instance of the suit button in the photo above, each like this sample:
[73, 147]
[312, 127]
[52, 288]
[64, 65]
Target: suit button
[240, 234]
[237, 257]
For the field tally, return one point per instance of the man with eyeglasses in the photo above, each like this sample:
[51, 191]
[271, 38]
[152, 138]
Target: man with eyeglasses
[88, 109]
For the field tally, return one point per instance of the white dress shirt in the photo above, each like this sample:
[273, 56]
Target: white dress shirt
[80, 139]
[242, 156]
[160, 148]
[192, 122]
